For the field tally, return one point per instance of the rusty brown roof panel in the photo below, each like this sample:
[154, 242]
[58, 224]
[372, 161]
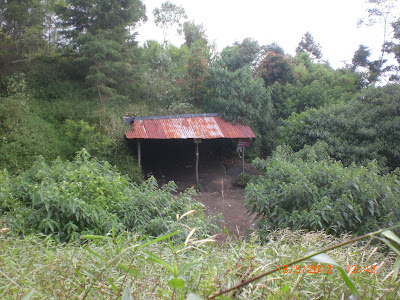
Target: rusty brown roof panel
[201, 126]
[137, 131]
[233, 131]
[154, 129]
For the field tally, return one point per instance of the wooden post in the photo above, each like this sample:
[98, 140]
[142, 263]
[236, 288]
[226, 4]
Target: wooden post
[197, 142]
[139, 153]
[242, 159]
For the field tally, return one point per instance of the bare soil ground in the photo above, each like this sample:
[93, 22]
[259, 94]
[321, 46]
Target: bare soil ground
[219, 193]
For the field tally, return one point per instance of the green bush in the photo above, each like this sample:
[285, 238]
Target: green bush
[66, 199]
[309, 190]
[362, 130]
[243, 179]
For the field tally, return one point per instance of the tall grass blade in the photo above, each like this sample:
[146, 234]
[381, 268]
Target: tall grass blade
[393, 246]
[158, 260]
[95, 254]
[392, 236]
[159, 239]
[96, 295]
[111, 282]
[127, 293]
[396, 269]
[188, 266]
[129, 270]
[326, 259]
[28, 296]
[96, 237]
[227, 232]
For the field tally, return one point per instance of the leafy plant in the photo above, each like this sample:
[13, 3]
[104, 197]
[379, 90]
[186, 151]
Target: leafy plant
[362, 130]
[243, 179]
[66, 199]
[309, 190]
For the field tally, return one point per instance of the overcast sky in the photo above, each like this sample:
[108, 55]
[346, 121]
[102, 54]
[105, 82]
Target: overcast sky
[333, 24]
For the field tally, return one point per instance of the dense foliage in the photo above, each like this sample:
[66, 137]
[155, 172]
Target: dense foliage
[69, 71]
[309, 190]
[316, 85]
[365, 129]
[107, 267]
[85, 196]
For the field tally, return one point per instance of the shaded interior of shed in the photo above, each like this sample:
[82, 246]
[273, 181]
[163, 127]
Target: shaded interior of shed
[163, 158]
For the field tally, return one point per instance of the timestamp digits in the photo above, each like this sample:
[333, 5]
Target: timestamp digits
[359, 269]
[305, 269]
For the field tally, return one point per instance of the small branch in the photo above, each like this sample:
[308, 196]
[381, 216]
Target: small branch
[15, 61]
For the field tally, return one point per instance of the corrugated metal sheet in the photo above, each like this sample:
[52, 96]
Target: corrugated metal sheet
[195, 126]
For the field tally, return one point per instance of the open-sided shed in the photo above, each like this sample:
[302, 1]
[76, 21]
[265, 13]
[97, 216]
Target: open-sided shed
[190, 126]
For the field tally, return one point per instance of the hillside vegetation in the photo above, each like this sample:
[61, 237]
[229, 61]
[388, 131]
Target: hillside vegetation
[78, 214]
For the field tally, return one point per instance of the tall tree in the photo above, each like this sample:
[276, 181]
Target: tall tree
[307, 44]
[276, 68]
[384, 13]
[373, 69]
[22, 23]
[98, 32]
[194, 34]
[169, 15]
[240, 54]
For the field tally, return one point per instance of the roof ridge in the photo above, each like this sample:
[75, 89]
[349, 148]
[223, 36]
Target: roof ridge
[129, 120]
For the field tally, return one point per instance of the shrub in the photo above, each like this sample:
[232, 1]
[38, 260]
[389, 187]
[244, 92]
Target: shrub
[360, 131]
[243, 179]
[65, 199]
[309, 190]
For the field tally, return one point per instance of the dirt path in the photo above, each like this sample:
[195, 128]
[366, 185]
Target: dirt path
[219, 193]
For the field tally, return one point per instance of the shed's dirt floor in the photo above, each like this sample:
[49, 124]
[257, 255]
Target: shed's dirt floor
[219, 193]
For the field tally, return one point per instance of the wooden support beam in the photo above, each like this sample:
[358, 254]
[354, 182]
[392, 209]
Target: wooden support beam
[197, 142]
[242, 159]
[139, 153]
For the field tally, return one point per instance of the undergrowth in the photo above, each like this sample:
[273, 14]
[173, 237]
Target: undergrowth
[106, 266]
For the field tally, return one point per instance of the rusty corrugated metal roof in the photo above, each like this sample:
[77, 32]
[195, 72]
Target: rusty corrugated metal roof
[194, 126]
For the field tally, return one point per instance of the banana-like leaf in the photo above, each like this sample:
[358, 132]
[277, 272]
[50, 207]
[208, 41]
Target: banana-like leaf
[392, 236]
[326, 259]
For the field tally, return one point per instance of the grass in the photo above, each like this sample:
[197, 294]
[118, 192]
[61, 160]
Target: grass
[103, 268]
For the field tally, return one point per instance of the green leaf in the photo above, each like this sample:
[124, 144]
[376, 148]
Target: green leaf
[111, 282]
[95, 254]
[160, 239]
[158, 260]
[176, 283]
[192, 296]
[326, 259]
[127, 293]
[28, 296]
[96, 237]
[95, 294]
[396, 269]
[392, 236]
[188, 266]
[131, 271]
[393, 246]
[285, 289]
[227, 232]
